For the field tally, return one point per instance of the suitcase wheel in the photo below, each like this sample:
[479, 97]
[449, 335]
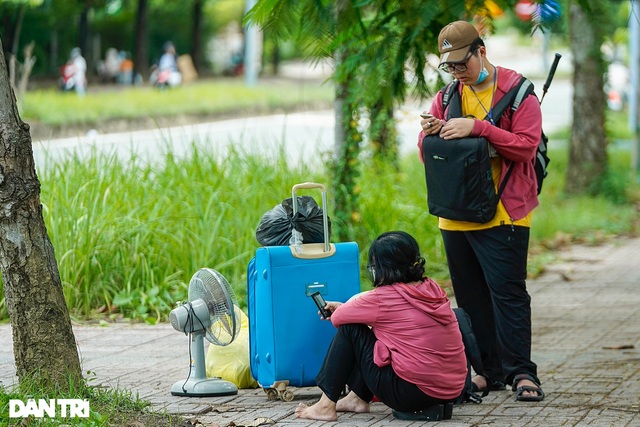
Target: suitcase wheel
[287, 396]
[279, 391]
[272, 393]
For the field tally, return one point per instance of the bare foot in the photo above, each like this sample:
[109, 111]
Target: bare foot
[352, 403]
[480, 382]
[324, 410]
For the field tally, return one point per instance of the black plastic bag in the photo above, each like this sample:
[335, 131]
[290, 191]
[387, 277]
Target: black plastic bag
[276, 225]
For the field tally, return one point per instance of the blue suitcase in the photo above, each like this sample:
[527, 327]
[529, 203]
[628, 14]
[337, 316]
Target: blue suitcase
[288, 341]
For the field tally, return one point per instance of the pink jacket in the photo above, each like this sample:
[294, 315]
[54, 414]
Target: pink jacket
[516, 140]
[417, 333]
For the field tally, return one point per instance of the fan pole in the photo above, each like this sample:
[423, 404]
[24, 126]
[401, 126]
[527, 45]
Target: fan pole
[198, 384]
[197, 352]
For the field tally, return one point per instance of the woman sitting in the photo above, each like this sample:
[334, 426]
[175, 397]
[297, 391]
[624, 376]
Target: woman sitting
[400, 342]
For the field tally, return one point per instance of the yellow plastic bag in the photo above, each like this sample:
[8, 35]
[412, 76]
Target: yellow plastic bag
[231, 362]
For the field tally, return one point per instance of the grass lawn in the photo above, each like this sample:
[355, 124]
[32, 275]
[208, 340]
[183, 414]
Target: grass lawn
[52, 113]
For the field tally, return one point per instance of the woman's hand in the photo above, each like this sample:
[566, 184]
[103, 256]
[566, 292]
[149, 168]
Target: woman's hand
[431, 125]
[457, 128]
[331, 307]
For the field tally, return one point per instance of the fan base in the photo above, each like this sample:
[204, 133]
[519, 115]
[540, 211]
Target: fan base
[204, 388]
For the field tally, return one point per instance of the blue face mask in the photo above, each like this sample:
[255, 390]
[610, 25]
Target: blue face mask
[482, 75]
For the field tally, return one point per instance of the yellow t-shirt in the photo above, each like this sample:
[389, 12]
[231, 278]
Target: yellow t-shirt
[471, 106]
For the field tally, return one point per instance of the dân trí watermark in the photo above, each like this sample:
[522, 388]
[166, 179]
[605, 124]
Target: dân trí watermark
[64, 408]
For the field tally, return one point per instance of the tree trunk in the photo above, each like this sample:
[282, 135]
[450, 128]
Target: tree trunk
[196, 36]
[141, 61]
[588, 145]
[347, 145]
[340, 133]
[383, 133]
[83, 36]
[345, 164]
[275, 58]
[43, 342]
[54, 52]
[15, 44]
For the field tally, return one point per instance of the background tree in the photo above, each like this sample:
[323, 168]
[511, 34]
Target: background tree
[11, 20]
[589, 23]
[587, 26]
[96, 25]
[196, 35]
[43, 341]
[347, 134]
[141, 46]
[84, 30]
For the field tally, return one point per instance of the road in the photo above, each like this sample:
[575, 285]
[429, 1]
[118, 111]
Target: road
[303, 136]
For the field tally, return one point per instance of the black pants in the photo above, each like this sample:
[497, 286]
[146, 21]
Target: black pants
[349, 361]
[488, 271]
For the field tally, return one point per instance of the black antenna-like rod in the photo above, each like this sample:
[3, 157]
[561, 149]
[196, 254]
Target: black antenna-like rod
[552, 71]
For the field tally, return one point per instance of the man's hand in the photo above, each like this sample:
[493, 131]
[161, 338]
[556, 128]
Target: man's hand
[457, 128]
[430, 124]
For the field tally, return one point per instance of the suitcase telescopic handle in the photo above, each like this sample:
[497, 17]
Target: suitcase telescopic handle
[325, 219]
[309, 185]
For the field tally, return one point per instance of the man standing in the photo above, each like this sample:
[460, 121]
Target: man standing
[488, 261]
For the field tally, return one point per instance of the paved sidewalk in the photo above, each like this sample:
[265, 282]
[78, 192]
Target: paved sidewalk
[586, 328]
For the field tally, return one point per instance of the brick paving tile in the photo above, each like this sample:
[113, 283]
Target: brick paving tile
[586, 341]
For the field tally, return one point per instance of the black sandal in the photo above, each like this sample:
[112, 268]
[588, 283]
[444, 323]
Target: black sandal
[533, 389]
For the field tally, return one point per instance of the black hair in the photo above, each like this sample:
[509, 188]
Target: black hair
[475, 45]
[394, 257]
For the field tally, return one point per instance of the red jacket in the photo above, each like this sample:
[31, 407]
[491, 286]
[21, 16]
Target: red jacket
[516, 139]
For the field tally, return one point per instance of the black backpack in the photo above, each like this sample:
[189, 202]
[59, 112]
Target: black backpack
[514, 97]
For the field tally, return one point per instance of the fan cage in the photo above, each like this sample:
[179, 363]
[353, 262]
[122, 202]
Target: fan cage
[225, 314]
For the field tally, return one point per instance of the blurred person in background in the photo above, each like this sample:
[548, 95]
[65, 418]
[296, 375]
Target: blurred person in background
[167, 73]
[108, 69]
[74, 73]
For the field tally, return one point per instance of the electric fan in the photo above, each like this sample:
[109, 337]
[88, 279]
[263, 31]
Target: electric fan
[212, 312]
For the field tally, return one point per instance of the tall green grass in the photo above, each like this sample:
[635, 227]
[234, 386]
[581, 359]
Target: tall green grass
[129, 235]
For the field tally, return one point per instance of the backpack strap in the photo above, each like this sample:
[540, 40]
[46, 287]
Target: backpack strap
[503, 184]
[526, 88]
[513, 97]
[451, 99]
